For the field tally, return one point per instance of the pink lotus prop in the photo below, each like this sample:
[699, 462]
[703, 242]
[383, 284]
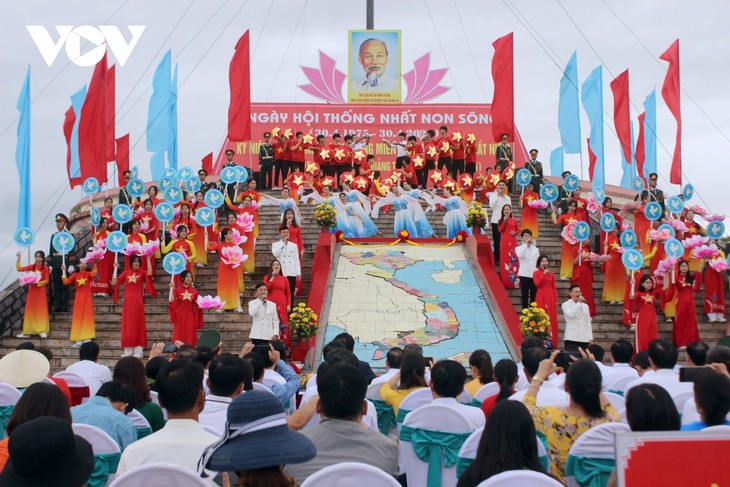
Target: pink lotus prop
[132, 248]
[149, 248]
[140, 211]
[173, 233]
[100, 244]
[677, 225]
[694, 241]
[29, 278]
[245, 221]
[625, 226]
[254, 205]
[715, 217]
[325, 83]
[94, 254]
[665, 266]
[629, 207]
[719, 264]
[659, 235]
[593, 257]
[698, 210]
[238, 239]
[233, 256]
[144, 227]
[567, 233]
[209, 302]
[706, 252]
[537, 204]
[177, 211]
[592, 206]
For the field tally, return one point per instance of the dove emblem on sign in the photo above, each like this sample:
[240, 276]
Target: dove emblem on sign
[136, 187]
[607, 221]
[549, 192]
[24, 236]
[214, 197]
[165, 211]
[632, 258]
[673, 247]
[116, 240]
[63, 241]
[652, 211]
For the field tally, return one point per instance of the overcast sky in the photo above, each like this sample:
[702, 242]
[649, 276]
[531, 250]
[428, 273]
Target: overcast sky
[288, 33]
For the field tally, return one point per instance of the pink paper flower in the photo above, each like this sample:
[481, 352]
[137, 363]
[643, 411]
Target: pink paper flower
[665, 266]
[677, 225]
[245, 221]
[694, 241]
[592, 206]
[144, 227]
[593, 257]
[698, 210]
[233, 256]
[706, 252]
[659, 235]
[238, 239]
[94, 254]
[149, 248]
[625, 226]
[133, 248]
[140, 210]
[177, 211]
[567, 233]
[209, 302]
[254, 204]
[100, 244]
[173, 233]
[629, 207]
[537, 204]
[29, 278]
[719, 264]
[715, 217]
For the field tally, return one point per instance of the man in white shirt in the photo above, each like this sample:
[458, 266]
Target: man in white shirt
[663, 357]
[226, 376]
[622, 351]
[93, 373]
[183, 439]
[578, 331]
[265, 318]
[287, 253]
[392, 360]
[400, 149]
[549, 394]
[527, 253]
[497, 200]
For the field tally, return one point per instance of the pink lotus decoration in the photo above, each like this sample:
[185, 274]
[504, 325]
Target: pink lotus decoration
[233, 256]
[659, 235]
[677, 225]
[133, 248]
[422, 82]
[238, 239]
[177, 211]
[144, 227]
[173, 233]
[94, 254]
[629, 207]
[209, 302]
[706, 252]
[694, 241]
[325, 83]
[29, 278]
[567, 233]
[625, 226]
[665, 266]
[149, 248]
[140, 211]
[719, 264]
[245, 221]
[592, 206]
[100, 244]
[254, 205]
[715, 217]
[698, 210]
[593, 257]
[537, 204]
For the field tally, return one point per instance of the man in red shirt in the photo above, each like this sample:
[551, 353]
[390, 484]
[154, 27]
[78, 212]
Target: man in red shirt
[458, 157]
[279, 145]
[296, 149]
[471, 158]
[322, 155]
[340, 155]
[444, 149]
[415, 150]
[430, 152]
[364, 169]
[409, 172]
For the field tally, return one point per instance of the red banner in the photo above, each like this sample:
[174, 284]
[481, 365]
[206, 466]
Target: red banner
[380, 121]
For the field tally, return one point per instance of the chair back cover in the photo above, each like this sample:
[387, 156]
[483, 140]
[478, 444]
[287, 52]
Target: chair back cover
[350, 474]
[487, 390]
[514, 478]
[78, 387]
[618, 386]
[617, 401]
[106, 453]
[682, 398]
[374, 391]
[413, 401]
[140, 424]
[156, 474]
[592, 457]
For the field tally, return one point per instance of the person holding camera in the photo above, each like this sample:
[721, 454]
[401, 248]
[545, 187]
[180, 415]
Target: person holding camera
[578, 331]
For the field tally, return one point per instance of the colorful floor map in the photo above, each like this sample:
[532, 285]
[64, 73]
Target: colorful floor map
[392, 296]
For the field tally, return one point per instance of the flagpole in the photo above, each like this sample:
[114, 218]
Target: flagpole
[581, 165]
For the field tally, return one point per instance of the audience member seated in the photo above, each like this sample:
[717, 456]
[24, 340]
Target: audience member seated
[152, 368]
[258, 443]
[447, 383]
[331, 346]
[712, 398]
[650, 408]
[663, 357]
[339, 437]
[108, 411]
[183, 439]
[61, 383]
[527, 343]
[87, 367]
[130, 371]
[480, 363]
[274, 363]
[227, 377]
[719, 355]
[505, 374]
[622, 351]
[599, 353]
[508, 443]
[392, 361]
[39, 399]
[408, 379]
[549, 395]
[588, 407]
[349, 343]
[697, 354]
[642, 365]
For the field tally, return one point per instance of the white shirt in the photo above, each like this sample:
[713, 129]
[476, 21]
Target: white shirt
[577, 322]
[385, 84]
[527, 255]
[265, 319]
[617, 371]
[288, 255]
[473, 415]
[385, 377]
[181, 442]
[665, 378]
[370, 419]
[496, 203]
[548, 395]
[213, 418]
[400, 150]
[93, 374]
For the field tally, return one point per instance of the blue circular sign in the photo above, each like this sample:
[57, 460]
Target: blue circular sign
[213, 198]
[166, 183]
[632, 259]
[628, 239]
[674, 248]
[164, 212]
[674, 204]
[637, 183]
[715, 229]
[122, 213]
[205, 217]
[134, 172]
[571, 182]
[653, 211]
[581, 231]
[523, 177]
[185, 173]
[64, 242]
[135, 187]
[24, 237]
[666, 227]
[173, 195]
[599, 194]
[174, 263]
[116, 242]
[549, 192]
[193, 185]
[688, 192]
[90, 186]
[95, 216]
[242, 175]
[608, 222]
[169, 173]
[229, 175]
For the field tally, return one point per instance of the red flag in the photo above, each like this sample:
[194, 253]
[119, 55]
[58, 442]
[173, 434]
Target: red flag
[207, 163]
[68, 126]
[503, 100]
[670, 93]
[110, 109]
[621, 114]
[122, 158]
[92, 126]
[640, 150]
[239, 78]
[591, 159]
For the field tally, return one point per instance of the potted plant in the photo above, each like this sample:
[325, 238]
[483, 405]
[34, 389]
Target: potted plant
[476, 217]
[534, 321]
[325, 216]
[303, 324]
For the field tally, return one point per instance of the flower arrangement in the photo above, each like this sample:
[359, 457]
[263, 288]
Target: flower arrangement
[534, 321]
[699, 210]
[325, 215]
[476, 216]
[677, 225]
[303, 321]
[567, 233]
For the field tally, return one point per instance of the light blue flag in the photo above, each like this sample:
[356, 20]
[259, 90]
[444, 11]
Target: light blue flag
[157, 165]
[557, 164]
[592, 97]
[158, 114]
[22, 153]
[172, 148]
[629, 170]
[569, 108]
[650, 162]
[77, 101]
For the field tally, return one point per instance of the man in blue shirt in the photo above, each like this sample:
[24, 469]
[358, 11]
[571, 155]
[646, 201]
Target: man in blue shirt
[282, 380]
[108, 412]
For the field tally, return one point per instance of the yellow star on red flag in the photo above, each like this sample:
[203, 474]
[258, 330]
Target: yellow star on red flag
[187, 296]
[308, 138]
[81, 281]
[132, 278]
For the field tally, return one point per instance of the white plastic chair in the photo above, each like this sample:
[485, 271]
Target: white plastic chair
[720, 427]
[487, 390]
[154, 397]
[689, 413]
[103, 446]
[141, 425]
[413, 401]
[436, 418]
[464, 397]
[156, 474]
[618, 402]
[79, 388]
[350, 474]
[520, 478]
[681, 399]
[596, 443]
[620, 383]
[373, 391]
[9, 395]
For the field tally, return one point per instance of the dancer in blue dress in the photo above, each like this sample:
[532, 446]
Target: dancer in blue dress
[403, 206]
[286, 202]
[455, 218]
[361, 207]
[424, 228]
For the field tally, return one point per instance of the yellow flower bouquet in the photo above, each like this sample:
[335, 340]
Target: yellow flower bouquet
[303, 321]
[476, 216]
[534, 321]
[325, 215]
